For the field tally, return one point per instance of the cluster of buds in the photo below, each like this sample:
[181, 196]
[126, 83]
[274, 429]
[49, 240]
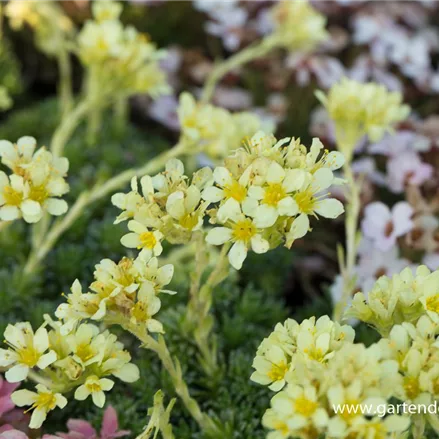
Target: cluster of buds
[416, 348]
[128, 290]
[261, 197]
[297, 26]
[323, 380]
[214, 130]
[404, 297]
[169, 207]
[359, 109]
[122, 58]
[80, 360]
[35, 184]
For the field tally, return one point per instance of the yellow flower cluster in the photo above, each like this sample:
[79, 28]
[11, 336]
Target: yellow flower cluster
[36, 183]
[128, 289]
[298, 26]
[261, 198]
[81, 359]
[404, 309]
[359, 109]
[402, 298]
[51, 26]
[324, 381]
[212, 129]
[122, 58]
[170, 207]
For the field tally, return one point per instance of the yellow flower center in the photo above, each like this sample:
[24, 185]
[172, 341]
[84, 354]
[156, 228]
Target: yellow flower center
[306, 201]
[46, 400]
[273, 194]
[315, 354]
[93, 386]
[304, 406]
[101, 44]
[29, 356]
[282, 427]
[188, 221]
[84, 352]
[411, 387]
[236, 191]
[432, 303]
[350, 409]
[12, 197]
[140, 312]
[147, 240]
[278, 371]
[38, 193]
[244, 230]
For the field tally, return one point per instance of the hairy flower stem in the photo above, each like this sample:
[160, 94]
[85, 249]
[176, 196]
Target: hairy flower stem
[200, 303]
[88, 198]
[95, 115]
[68, 125]
[121, 115]
[347, 259]
[173, 367]
[250, 53]
[65, 81]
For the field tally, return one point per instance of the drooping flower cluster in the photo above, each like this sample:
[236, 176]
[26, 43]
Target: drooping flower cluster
[81, 359]
[326, 382]
[297, 25]
[261, 198]
[214, 130]
[128, 289]
[362, 109]
[122, 59]
[36, 183]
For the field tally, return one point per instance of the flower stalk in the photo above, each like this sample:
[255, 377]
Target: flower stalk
[173, 368]
[347, 258]
[245, 56]
[65, 81]
[198, 315]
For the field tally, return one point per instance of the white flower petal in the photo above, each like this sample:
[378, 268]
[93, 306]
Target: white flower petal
[259, 245]
[56, 206]
[329, 208]
[218, 235]
[237, 254]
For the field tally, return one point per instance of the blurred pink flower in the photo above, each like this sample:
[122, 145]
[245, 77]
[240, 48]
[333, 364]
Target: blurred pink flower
[326, 69]
[164, 110]
[383, 226]
[80, 429]
[13, 434]
[400, 142]
[9, 416]
[374, 263]
[407, 168]
[431, 260]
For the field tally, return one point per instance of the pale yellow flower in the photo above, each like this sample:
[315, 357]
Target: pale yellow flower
[95, 387]
[26, 351]
[298, 26]
[359, 109]
[42, 401]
